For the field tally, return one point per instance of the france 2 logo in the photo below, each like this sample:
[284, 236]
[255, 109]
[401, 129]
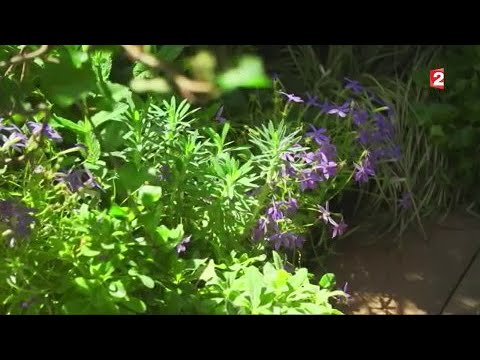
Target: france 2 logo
[437, 79]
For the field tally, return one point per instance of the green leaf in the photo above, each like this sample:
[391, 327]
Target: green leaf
[93, 146]
[130, 182]
[147, 281]
[77, 55]
[249, 73]
[136, 305]
[86, 251]
[255, 284]
[82, 283]
[177, 233]
[64, 84]
[300, 277]
[102, 59]
[170, 52]
[149, 195]
[77, 128]
[103, 116]
[117, 289]
[119, 92]
[277, 260]
[164, 232]
[209, 272]
[282, 278]
[327, 281]
[118, 212]
[312, 308]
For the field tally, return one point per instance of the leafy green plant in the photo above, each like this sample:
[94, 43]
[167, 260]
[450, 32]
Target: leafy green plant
[117, 203]
[243, 288]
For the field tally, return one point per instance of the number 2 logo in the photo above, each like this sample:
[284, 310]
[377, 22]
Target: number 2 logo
[437, 79]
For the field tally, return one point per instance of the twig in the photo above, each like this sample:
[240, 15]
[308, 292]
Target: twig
[186, 86]
[24, 57]
[13, 65]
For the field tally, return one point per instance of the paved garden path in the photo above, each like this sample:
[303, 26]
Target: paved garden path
[438, 276]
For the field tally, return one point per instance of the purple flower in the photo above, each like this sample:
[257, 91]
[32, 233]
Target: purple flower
[329, 150]
[312, 101]
[9, 128]
[77, 179]
[260, 230]
[359, 117]
[182, 245]
[406, 201]
[45, 130]
[341, 110]
[287, 170]
[325, 214]
[309, 179]
[318, 135]
[326, 106]
[274, 213]
[328, 168]
[17, 217]
[292, 97]
[364, 137]
[374, 98]
[310, 157]
[364, 170]
[289, 207]
[292, 205]
[218, 116]
[392, 152]
[353, 85]
[16, 141]
[288, 156]
[385, 128]
[345, 290]
[287, 240]
[338, 229]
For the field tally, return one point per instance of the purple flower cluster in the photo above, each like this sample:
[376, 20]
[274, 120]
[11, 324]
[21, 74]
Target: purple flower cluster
[45, 130]
[376, 133]
[77, 179]
[12, 137]
[316, 166]
[268, 226]
[17, 217]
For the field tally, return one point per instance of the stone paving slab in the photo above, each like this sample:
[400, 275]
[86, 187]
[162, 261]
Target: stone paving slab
[415, 280]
